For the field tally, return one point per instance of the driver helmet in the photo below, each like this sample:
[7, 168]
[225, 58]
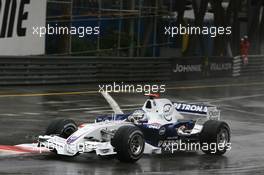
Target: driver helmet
[138, 115]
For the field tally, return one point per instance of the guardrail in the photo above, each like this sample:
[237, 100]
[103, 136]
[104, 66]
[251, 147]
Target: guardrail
[255, 66]
[58, 70]
[66, 70]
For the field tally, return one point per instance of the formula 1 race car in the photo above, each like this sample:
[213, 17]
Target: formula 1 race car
[156, 128]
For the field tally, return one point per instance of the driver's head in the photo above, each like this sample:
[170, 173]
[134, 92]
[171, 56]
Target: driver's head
[138, 115]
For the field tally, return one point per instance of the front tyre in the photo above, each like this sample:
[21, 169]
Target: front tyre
[129, 143]
[61, 127]
[215, 137]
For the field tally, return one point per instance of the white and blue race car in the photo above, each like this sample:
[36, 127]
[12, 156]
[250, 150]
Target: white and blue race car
[158, 127]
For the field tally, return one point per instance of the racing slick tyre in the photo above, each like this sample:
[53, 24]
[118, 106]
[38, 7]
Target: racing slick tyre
[129, 143]
[216, 136]
[61, 127]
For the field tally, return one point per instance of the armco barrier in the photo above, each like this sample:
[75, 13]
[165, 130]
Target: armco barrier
[59, 70]
[255, 66]
[64, 70]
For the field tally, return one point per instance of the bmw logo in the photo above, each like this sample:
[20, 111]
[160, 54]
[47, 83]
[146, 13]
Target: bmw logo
[167, 108]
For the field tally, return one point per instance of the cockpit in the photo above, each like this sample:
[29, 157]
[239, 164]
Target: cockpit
[157, 111]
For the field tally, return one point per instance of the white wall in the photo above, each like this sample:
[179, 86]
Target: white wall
[29, 44]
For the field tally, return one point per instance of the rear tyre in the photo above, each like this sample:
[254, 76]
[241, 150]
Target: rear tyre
[216, 135]
[129, 143]
[61, 127]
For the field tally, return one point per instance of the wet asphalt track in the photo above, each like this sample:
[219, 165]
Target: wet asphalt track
[24, 116]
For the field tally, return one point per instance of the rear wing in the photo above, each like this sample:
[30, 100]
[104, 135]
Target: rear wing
[209, 111]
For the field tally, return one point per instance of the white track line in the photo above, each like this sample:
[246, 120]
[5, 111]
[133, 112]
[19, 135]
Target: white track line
[96, 108]
[63, 102]
[236, 98]
[10, 115]
[245, 112]
[100, 111]
[31, 113]
[82, 109]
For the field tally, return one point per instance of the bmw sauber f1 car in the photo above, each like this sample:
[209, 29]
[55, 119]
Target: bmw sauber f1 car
[157, 125]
